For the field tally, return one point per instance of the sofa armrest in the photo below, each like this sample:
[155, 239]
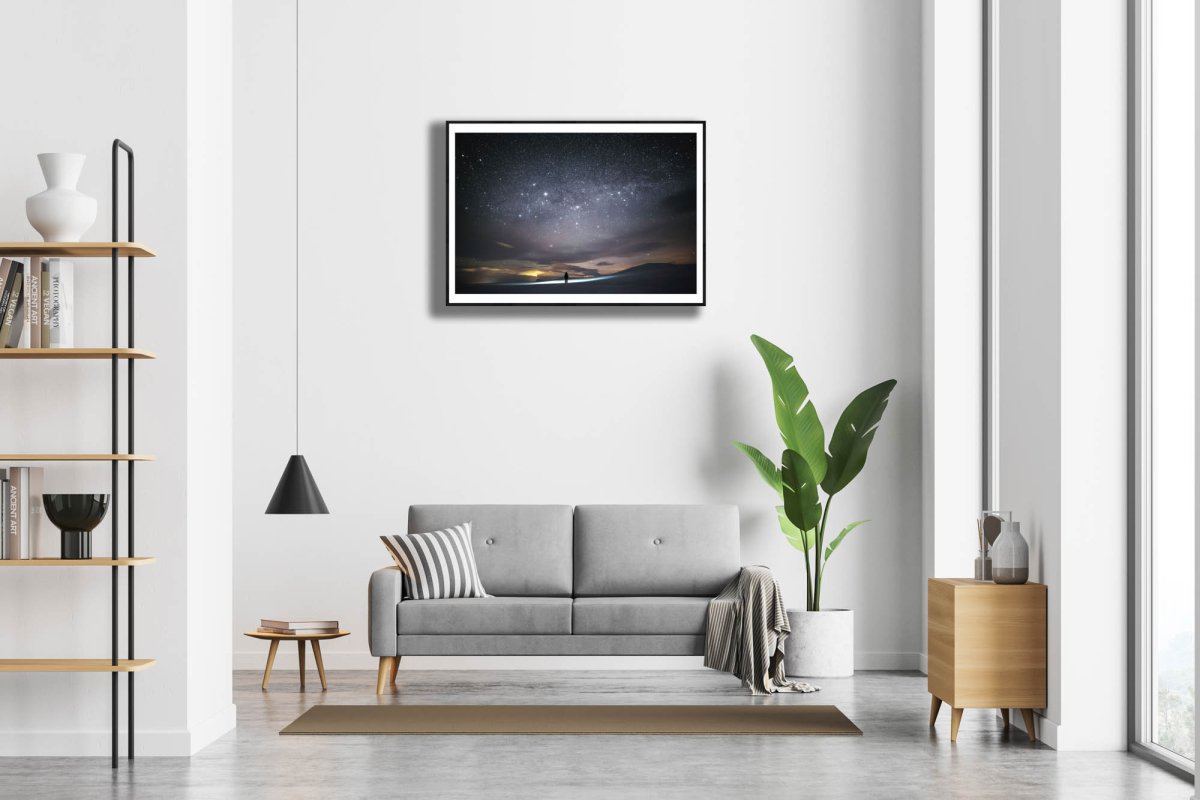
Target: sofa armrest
[383, 593]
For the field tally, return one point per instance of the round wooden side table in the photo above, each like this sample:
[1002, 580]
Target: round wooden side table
[299, 639]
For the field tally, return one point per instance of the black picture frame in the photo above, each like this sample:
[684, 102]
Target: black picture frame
[660, 283]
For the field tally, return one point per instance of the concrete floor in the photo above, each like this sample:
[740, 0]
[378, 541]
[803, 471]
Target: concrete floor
[897, 757]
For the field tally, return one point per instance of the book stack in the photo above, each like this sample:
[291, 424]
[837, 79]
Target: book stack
[37, 303]
[298, 627]
[23, 533]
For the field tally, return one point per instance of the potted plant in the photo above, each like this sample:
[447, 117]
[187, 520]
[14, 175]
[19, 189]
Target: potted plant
[822, 640]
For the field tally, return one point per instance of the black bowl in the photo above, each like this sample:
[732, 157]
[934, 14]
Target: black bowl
[75, 512]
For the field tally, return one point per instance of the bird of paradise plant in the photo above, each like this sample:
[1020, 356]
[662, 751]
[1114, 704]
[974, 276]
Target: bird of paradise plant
[807, 467]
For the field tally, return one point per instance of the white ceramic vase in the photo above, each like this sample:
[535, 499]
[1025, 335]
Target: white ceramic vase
[61, 213]
[821, 644]
[1010, 555]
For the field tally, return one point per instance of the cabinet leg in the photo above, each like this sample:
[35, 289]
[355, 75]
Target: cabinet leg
[1027, 715]
[300, 650]
[935, 705]
[385, 669]
[395, 669]
[955, 719]
[1004, 714]
[316, 645]
[270, 662]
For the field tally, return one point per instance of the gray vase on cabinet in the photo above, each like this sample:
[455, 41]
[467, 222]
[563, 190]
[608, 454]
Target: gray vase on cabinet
[1010, 555]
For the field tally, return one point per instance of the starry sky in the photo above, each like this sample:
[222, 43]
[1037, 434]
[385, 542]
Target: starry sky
[531, 206]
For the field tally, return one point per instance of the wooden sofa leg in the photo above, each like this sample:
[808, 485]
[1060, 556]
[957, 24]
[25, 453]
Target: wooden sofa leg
[387, 665]
[395, 669]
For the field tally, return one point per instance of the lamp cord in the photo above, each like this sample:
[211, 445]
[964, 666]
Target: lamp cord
[297, 227]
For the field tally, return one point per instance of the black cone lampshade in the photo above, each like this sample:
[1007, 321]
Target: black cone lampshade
[297, 491]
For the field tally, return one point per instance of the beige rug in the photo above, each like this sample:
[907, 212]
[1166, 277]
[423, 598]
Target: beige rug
[786, 720]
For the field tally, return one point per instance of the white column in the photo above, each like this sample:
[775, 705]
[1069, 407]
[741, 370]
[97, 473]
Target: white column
[210, 288]
[1093, 389]
[952, 286]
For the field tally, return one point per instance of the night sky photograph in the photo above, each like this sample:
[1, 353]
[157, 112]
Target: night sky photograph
[588, 213]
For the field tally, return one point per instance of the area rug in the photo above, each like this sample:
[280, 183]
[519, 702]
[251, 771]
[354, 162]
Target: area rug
[679, 720]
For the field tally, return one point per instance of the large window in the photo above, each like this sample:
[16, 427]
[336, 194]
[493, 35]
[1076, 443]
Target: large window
[1163, 101]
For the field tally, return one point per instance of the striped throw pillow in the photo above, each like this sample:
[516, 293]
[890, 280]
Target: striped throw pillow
[437, 565]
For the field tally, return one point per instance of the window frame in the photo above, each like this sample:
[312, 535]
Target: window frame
[1140, 433]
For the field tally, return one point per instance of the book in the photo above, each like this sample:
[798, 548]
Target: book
[62, 303]
[297, 631]
[45, 284]
[6, 265]
[43, 537]
[4, 490]
[14, 315]
[31, 333]
[8, 299]
[18, 512]
[291, 626]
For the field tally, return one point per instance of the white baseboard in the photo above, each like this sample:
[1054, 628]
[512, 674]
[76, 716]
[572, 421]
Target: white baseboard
[362, 659]
[923, 663]
[170, 743]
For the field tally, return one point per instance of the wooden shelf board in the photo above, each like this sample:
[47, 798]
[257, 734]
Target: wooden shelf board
[125, 561]
[74, 664]
[10, 458]
[53, 353]
[74, 249]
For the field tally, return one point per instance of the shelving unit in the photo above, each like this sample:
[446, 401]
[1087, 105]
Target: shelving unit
[12, 458]
[74, 353]
[127, 561]
[116, 355]
[75, 665]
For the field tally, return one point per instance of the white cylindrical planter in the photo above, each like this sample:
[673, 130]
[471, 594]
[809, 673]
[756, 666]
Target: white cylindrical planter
[821, 644]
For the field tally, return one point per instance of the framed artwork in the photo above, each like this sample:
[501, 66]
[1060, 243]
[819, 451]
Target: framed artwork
[575, 213]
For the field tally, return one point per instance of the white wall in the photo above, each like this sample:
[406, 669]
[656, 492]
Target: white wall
[1062, 353]
[99, 75]
[813, 237]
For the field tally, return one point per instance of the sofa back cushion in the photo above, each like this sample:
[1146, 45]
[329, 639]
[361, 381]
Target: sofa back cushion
[654, 550]
[520, 551]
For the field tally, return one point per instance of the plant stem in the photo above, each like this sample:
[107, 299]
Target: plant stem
[817, 555]
[808, 582]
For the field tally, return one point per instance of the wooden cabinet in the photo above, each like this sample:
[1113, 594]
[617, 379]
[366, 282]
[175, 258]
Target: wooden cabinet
[987, 648]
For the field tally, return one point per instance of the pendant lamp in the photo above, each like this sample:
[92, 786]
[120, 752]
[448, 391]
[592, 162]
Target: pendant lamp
[297, 491]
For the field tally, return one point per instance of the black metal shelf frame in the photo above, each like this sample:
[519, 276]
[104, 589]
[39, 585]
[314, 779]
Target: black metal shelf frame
[117, 147]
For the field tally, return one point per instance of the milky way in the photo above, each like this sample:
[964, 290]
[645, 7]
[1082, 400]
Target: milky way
[529, 205]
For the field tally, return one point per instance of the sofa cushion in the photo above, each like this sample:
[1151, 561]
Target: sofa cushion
[639, 615]
[519, 550]
[485, 615]
[654, 550]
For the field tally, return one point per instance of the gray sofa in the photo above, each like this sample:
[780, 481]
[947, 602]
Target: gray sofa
[589, 580]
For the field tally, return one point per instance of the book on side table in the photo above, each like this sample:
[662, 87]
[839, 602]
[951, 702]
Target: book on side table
[306, 627]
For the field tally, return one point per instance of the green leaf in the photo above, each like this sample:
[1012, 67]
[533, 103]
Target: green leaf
[795, 414]
[766, 467]
[853, 435]
[801, 540]
[838, 539]
[801, 503]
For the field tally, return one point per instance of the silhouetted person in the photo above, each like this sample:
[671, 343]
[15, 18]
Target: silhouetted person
[566, 278]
